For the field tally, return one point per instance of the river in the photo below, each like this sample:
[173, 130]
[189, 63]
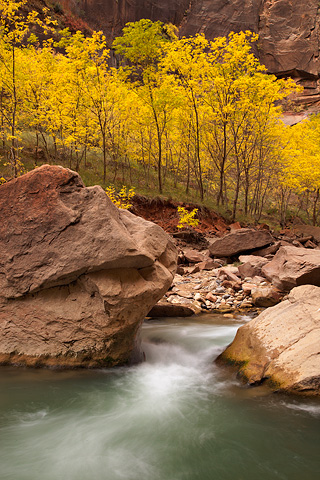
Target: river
[177, 416]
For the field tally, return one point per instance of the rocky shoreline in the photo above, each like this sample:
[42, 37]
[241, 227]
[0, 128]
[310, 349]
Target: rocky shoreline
[280, 346]
[257, 277]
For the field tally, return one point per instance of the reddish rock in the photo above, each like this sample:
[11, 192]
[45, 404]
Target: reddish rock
[247, 287]
[240, 241]
[77, 275]
[192, 269]
[293, 266]
[265, 296]
[310, 244]
[257, 280]
[308, 231]
[234, 226]
[230, 284]
[288, 32]
[295, 243]
[53, 229]
[285, 243]
[208, 264]
[180, 270]
[305, 239]
[193, 256]
[229, 273]
[251, 266]
[212, 298]
[112, 15]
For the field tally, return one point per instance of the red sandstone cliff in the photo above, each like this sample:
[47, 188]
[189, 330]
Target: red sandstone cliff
[288, 29]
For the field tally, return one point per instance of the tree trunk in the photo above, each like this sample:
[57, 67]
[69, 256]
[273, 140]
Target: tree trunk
[104, 148]
[314, 210]
[13, 120]
[236, 196]
[198, 149]
[220, 197]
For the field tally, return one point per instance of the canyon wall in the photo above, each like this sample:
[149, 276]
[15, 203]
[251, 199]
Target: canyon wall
[288, 29]
[111, 15]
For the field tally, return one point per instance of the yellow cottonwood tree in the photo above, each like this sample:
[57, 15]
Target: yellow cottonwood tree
[100, 89]
[142, 45]
[301, 170]
[15, 34]
[242, 101]
[185, 60]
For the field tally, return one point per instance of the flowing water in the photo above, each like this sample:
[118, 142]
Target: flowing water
[175, 417]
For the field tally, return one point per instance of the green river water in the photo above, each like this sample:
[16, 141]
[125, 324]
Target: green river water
[175, 417]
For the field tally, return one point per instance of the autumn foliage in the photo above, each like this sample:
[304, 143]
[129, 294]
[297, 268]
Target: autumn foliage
[201, 114]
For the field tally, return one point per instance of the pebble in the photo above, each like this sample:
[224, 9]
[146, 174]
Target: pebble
[246, 305]
[203, 291]
[211, 297]
[198, 297]
[220, 290]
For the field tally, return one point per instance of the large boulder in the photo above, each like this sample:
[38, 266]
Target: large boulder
[77, 275]
[292, 266]
[239, 241]
[281, 346]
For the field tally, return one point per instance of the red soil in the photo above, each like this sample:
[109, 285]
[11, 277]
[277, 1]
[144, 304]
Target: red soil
[164, 213]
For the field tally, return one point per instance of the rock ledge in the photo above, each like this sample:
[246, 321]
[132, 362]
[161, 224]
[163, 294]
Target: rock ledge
[282, 345]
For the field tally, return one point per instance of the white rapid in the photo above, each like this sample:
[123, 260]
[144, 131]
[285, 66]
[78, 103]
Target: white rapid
[176, 416]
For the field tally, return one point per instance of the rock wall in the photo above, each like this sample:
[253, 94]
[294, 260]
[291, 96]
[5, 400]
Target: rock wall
[112, 15]
[288, 29]
[77, 275]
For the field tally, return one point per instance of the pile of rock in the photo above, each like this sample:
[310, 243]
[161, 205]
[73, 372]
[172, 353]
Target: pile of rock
[263, 271]
[219, 290]
[280, 347]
